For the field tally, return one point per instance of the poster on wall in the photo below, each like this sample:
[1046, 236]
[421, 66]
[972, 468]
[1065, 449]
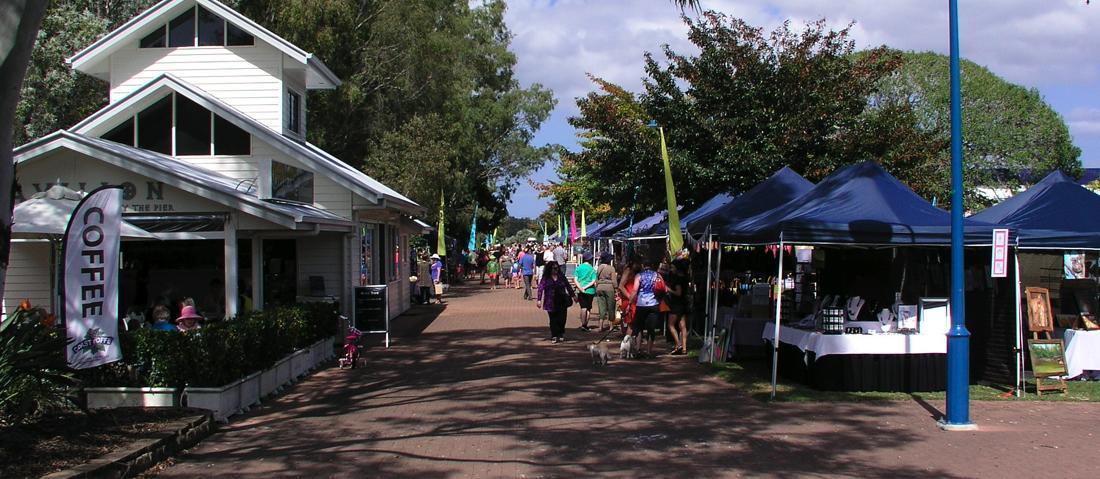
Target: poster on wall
[1074, 265]
[91, 279]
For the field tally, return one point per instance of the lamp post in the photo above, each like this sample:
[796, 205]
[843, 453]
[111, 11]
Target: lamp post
[958, 338]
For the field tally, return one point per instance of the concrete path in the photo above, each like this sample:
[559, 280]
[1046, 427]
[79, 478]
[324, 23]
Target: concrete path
[473, 389]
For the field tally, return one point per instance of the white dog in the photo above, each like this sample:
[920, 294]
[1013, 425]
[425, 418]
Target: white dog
[626, 348]
[600, 356]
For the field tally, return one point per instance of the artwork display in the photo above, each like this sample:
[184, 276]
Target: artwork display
[1039, 317]
[908, 318]
[1073, 265]
[1048, 363]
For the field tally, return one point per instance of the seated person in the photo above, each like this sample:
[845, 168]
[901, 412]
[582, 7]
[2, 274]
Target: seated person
[188, 320]
[160, 319]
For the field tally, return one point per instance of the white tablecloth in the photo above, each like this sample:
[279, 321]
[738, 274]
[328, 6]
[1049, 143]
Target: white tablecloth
[1082, 351]
[826, 344]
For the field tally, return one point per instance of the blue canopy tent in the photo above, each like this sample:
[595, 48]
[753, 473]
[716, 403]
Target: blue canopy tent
[858, 205]
[708, 207]
[642, 228]
[1055, 213]
[607, 228]
[784, 185]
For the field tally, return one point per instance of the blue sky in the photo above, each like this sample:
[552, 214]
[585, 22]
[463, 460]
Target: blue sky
[1050, 45]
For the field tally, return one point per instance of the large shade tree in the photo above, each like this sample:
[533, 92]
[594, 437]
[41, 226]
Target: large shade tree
[747, 104]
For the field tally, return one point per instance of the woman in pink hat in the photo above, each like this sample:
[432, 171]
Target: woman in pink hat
[188, 320]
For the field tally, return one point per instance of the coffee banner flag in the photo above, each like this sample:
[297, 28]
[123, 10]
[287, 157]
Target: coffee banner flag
[91, 279]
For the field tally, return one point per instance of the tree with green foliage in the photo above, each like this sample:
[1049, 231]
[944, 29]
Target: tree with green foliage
[429, 102]
[749, 103]
[1010, 135]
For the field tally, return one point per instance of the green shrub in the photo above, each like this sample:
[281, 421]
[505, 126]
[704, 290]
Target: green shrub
[217, 354]
[34, 377]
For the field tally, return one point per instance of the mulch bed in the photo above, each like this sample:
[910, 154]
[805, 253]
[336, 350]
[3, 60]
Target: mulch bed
[60, 441]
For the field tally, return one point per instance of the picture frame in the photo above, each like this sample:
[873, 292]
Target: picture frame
[1048, 363]
[909, 318]
[1039, 317]
[933, 315]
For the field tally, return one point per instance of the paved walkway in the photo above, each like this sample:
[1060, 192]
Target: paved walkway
[474, 390]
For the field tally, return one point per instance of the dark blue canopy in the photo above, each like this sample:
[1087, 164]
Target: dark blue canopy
[783, 186]
[708, 207]
[645, 227]
[1055, 213]
[607, 228]
[858, 204]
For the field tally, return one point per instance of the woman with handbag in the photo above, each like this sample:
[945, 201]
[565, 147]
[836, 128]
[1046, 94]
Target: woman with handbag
[555, 296]
[649, 287]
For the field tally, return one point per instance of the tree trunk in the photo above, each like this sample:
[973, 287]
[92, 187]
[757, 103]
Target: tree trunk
[19, 24]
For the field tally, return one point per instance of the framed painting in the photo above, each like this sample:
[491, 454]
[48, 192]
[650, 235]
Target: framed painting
[1048, 363]
[1039, 317]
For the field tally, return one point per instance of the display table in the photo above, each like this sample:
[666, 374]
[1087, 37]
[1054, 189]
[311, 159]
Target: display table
[862, 362]
[1082, 351]
[747, 332]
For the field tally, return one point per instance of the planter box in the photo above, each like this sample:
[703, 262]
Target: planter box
[282, 372]
[250, 391]
[269, 381]
[100, 398]
[299, 363]
[222, 402]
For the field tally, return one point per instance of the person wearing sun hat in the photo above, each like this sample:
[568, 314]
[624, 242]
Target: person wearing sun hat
[188, 320]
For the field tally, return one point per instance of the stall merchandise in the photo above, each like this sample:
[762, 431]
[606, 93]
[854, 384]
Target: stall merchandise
[1058, 215]
[858, 205]
[1082, 353]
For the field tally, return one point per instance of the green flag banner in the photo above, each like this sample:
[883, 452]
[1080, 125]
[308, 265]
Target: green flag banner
[675, 239]
[441, 244]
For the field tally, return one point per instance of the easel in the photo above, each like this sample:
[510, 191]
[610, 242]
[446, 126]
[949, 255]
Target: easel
[1041, 320]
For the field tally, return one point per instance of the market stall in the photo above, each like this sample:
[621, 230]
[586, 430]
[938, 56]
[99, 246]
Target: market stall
[859, 206]
[1058, 236]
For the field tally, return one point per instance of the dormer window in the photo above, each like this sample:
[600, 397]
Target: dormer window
[197, 27]
[293, 112]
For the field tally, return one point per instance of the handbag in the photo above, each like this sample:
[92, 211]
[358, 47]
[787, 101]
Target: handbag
[663, 306]
[562, 300]
[659, 286]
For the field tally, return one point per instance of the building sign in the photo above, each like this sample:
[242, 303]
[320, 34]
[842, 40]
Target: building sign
[1000, 253]
[91, 279]
[137, 196]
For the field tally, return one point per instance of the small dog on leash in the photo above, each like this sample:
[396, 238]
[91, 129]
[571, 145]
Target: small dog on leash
[626, 347]
[599, 353]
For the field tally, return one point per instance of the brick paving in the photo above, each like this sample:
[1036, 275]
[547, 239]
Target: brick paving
[473, 389]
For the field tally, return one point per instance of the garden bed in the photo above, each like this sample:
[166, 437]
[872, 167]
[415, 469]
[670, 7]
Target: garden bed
[60, 441]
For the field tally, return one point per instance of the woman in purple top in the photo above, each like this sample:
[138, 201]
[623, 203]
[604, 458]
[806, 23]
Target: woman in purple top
[554, 297]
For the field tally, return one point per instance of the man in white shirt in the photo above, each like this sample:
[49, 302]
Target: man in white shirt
[559, 255]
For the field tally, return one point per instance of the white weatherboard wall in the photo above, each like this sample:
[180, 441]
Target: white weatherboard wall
[321, 256]
[28, 275]
[247, 77]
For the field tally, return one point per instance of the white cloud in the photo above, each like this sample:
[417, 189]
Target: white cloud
[1048, 44]
[1084, 122]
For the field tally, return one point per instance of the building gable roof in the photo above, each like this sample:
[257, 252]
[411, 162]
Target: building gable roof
[182, 175]
[94, 59]
[309, 154]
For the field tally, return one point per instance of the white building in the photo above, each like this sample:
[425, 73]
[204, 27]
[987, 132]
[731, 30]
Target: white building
[205, 130]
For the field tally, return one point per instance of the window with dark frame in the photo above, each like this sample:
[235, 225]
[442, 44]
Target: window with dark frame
[181, 30]
[192, 127]
[293, 111]
[154, 127]
[197, 130]
[211, 29]
[197, 27]
[290, 183]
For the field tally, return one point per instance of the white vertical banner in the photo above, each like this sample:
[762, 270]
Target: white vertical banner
[1000, 254]
[91, 279]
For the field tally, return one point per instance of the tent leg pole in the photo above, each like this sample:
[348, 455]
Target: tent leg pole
[1019, 333]
[710, 284]
[778, 309]
[714, 316]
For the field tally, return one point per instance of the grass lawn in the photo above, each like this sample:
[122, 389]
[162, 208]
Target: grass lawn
[753, 376]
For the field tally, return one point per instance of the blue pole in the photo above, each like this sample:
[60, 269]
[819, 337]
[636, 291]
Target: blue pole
[958, 338]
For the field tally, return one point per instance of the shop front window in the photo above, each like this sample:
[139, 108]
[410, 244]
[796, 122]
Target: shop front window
[366, 253]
